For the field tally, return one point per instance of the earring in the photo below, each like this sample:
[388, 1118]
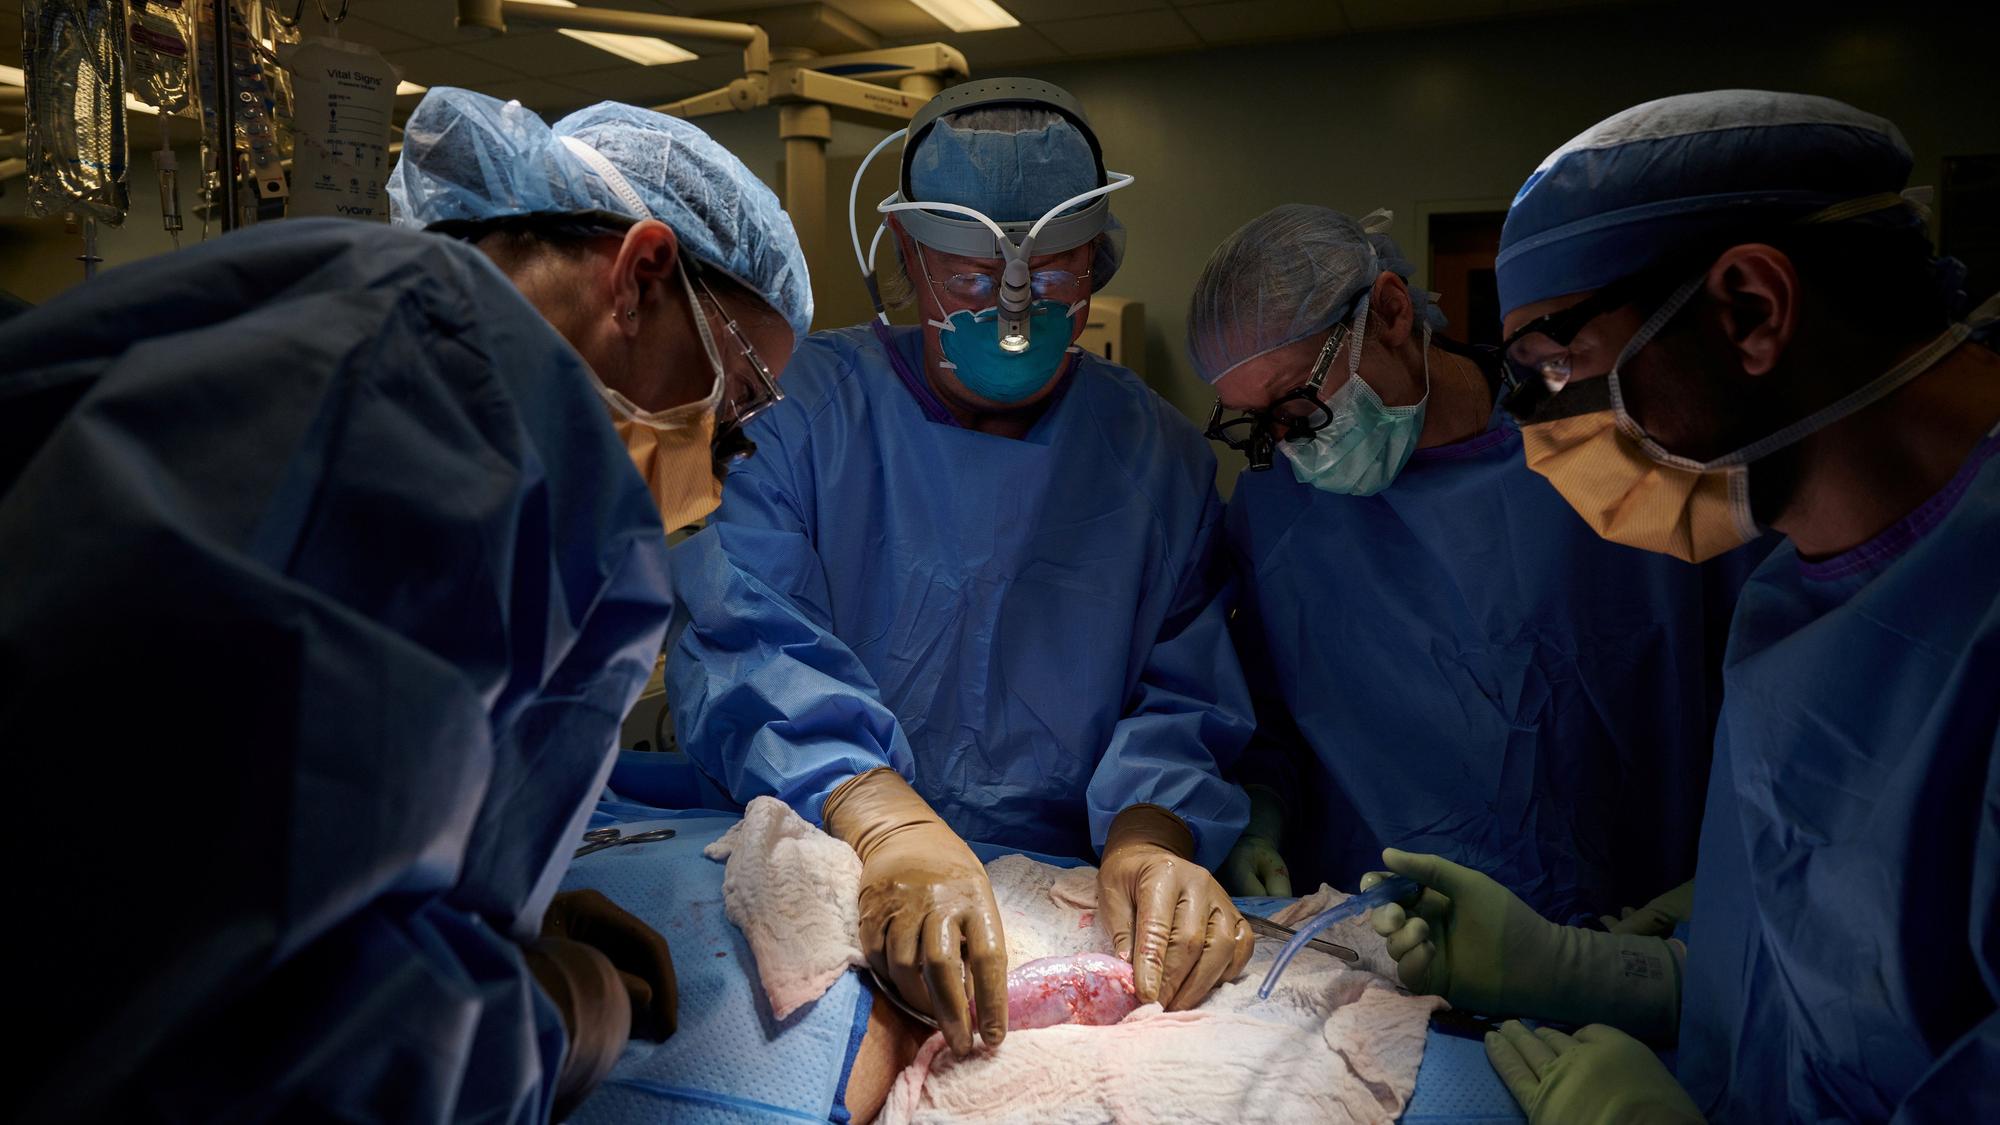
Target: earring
[631, 313]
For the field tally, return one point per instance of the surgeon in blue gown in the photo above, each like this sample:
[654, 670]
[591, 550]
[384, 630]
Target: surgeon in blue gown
[1727, 318]
[971, 599]
[328, 582]
[1446, 658]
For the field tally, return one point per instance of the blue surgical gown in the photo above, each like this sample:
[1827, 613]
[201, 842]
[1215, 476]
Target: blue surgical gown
[1844, 955]
[1029, 630]
[327, 584]
[1459, 664]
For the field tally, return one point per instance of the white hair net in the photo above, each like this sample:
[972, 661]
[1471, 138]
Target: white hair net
[467, 156]
[1295, 270]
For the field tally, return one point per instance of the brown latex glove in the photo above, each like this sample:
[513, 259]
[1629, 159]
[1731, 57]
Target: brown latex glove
[596, 1017]
[640, 955]
[1167, 914]
[929, 925]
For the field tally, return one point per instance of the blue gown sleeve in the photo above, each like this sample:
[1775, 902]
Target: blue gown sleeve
[1189, 716]
[335, 517]
[1959, 1086]
[766, 700]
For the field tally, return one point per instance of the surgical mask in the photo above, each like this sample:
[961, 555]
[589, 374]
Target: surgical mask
[1631, 490]
[973, 354]
[673, 448]
[1365, 444]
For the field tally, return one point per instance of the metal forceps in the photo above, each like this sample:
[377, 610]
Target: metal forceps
[598, 839]
[1271, 929]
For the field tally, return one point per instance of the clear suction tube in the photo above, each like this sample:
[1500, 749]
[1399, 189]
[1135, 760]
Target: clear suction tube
[1392, 889]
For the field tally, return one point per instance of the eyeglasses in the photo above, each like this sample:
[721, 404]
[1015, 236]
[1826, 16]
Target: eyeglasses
[1300, 414]
[1537, 355]
[766, 394]
[1047, 285]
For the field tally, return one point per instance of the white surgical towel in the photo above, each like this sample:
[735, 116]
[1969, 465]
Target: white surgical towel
[1333, 1043]
[794, 891]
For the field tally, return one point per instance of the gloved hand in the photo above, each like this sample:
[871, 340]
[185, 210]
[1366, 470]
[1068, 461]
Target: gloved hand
[610, 975]
[1475, 944]
[596, 1016]
[637, 951]
[1658, 917]
[1167, 915]
[924, 898]
[1254, 866]
[1600, 1075]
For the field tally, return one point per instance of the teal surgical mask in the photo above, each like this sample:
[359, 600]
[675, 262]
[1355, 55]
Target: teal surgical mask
[1365, 444]
[972, 352]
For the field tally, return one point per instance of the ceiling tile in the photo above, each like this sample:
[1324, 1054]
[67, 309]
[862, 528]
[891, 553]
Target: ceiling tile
[1536, 7]
[1238, 21]
[380, 36]
[716, 9]
[1036, 11]
[1368, 15]
[895, 19]
[1132, 33]
[433, 21]
[541, 53]
[446, 66]
[638, 85]
[987, 51]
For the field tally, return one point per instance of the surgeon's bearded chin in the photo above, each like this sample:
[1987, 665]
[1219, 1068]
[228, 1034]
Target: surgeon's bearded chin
[1681, 388]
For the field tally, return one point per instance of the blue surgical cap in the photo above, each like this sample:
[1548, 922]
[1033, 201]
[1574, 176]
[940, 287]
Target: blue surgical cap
[467, 156]
[1284, 275]
[1653, 178]
[1011, 163]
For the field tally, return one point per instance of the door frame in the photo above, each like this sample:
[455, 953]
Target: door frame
[1418, 245]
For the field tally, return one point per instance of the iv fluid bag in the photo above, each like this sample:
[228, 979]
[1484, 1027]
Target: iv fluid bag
[76, 107]
[160, 32]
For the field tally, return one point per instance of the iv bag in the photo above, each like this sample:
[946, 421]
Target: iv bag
[160, 31]
[75, 62]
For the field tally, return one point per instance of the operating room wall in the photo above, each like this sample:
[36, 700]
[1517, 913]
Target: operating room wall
[1442, 120]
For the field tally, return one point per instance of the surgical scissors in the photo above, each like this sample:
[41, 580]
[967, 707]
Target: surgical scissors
[598, 839]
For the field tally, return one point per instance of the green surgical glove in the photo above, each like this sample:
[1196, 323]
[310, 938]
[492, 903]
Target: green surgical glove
[1658, 917]
[1254, 867]
[1474, 943]
[1599, 1076]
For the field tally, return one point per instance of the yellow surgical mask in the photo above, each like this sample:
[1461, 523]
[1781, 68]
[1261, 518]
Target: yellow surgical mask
[1632, 490]
[674, 449]
[677, 466]
[1627, 497]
